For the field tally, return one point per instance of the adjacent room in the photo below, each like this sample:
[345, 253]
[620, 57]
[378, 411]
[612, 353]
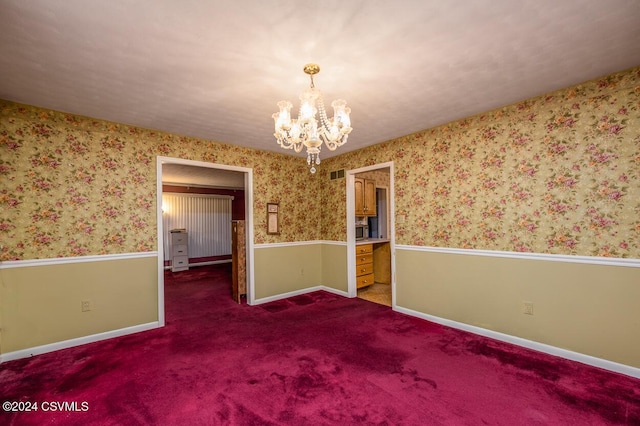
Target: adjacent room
[297, 212]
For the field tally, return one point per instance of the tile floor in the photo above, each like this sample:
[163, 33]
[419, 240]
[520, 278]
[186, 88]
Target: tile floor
[377, 293]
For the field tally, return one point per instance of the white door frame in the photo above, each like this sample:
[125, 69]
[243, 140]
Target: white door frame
[351, 236]
[248, 203]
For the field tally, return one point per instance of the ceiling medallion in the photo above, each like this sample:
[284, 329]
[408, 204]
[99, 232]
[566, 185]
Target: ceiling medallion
[309, 131]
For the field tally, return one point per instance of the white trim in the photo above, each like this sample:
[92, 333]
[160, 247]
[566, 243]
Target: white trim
[350, 181]
[192, 195]
[211, 262]
[160, 240]
[518, 341]
[195, 185]
[351, 238]
[248, 203]
[592, 260]
[333, 243]
[77, 259]
[299, 292]
[65, 344]
[300, 243]
[248, 199]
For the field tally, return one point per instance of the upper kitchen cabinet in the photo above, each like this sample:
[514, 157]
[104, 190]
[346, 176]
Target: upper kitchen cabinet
[365, 194]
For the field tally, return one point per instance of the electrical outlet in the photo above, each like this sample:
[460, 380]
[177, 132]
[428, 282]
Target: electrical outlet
[527, 308]
[301, 271]
[86, 305]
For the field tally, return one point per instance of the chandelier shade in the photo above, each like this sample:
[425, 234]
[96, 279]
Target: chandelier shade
[312, 128]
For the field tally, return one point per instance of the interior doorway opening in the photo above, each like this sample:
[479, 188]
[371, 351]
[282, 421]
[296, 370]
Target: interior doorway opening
[370, 257]
[189, 173]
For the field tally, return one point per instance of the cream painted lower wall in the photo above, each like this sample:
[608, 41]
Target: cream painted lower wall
[286, 268]
[334, 266]
[586, 308]
[41, 304]
[590, 309]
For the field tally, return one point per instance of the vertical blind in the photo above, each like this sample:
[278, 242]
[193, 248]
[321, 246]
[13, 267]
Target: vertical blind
[206, 218]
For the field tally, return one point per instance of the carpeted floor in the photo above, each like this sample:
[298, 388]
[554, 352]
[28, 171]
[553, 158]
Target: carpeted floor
[314, 359]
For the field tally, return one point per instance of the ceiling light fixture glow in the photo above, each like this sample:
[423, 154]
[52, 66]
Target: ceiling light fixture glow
[309, 131]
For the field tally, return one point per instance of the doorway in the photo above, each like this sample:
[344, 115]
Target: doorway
[381, 242]
[378, 224]
[222, 172]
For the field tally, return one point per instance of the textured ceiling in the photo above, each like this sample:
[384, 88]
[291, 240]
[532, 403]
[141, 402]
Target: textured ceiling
[216, 69]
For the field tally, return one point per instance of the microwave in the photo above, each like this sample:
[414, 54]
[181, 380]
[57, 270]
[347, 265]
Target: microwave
[362, 232]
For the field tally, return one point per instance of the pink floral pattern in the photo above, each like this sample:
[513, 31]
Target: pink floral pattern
[555, 174]
[559, 174]
[74, 186]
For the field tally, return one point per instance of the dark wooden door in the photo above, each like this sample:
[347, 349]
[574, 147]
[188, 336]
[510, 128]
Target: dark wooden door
[238, 259]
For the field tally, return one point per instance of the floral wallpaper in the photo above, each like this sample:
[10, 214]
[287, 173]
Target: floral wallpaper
[556, 174]
[74, 186]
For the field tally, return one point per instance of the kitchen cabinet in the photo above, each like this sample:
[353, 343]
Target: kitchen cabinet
[364, 265]
[365, 197]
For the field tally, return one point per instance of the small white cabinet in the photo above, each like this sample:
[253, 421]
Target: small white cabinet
[179, 250]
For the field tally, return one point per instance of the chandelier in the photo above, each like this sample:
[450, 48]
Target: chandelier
[309, 131]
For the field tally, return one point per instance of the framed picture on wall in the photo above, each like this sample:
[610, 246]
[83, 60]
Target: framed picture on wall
[273, 223]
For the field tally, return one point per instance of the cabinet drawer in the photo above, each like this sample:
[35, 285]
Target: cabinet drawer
[364, 249]
[365, 269]
[364, 280]
[180, 261]
[180, 250]
[361, 259]
[179, 268]
[178, 238]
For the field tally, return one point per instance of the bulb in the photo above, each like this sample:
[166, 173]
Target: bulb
[283, 118]
[308, 106]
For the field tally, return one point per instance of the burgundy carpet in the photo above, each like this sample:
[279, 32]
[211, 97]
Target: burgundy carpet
[316, 359]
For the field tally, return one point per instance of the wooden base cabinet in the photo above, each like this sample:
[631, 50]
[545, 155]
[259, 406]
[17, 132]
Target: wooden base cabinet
[382, 262]
[364, 265]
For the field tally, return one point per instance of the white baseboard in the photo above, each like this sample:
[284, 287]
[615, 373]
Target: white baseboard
[38, 350]
[529, 344]
[335, 291]
[210, 262]
[518, 341]
[299, 292]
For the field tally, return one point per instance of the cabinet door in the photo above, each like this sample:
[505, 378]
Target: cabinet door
[370, 197]
[359, 196]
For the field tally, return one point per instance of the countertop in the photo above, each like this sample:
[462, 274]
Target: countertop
[372, 241]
